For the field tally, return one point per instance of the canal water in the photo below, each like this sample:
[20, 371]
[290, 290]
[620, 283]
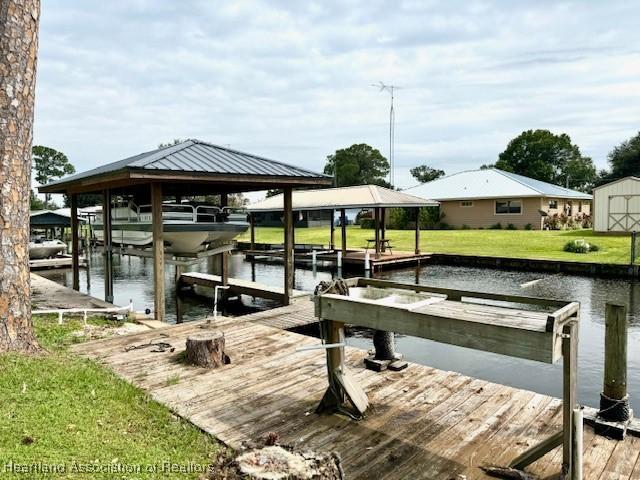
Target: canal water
[133, 279]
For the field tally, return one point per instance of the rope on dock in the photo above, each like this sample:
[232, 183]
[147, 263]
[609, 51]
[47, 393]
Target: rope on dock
[614, 410]
[337, 286]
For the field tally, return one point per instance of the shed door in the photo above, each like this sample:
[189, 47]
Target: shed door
[624, 213]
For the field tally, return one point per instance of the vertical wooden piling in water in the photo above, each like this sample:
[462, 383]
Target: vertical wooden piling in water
[106, 240]
[343, 229]
[332, 231]
[288, 245]
[252, 225]
[158, 251]
[75, 243]
[614, 401]
[417, 239]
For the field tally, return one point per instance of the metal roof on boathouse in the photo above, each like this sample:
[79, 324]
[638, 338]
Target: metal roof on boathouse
[192, 160]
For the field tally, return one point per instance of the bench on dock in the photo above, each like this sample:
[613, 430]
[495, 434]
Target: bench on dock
[483, 321]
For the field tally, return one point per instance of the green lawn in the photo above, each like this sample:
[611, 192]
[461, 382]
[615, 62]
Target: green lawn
[503, 243]
[64, 410]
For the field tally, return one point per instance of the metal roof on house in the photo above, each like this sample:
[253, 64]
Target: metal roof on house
[491, 183]
[193, 157]
[359, 196]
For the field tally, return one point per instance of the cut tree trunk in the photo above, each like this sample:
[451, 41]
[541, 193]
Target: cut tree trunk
[18, 47]
[206, 350]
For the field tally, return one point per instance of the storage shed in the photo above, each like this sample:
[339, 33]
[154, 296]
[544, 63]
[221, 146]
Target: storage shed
[617, 206]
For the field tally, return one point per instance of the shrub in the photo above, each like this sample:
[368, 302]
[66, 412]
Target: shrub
[465, 227]
[511, 226]
[400, 218]
[580, 246]
[528, 226]
[496, 226]
[368, 223]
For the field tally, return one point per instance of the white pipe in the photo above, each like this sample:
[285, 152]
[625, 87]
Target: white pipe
[367, 262]
[215, 299]
[339, 258]
[313, 257]
[576, 444]
[61, 311]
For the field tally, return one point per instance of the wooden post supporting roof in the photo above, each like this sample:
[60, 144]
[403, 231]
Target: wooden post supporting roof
[383, 227]
[108, 254]
[288, 246]
[417, 250]
[158, 251]
[332, 231]
[75, 244]
[376, 226]
[252, 226]
[343, 229]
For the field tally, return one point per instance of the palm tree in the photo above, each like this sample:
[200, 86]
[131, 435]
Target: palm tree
[18, 54]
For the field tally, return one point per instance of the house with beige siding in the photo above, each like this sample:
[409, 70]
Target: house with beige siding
[484, 198]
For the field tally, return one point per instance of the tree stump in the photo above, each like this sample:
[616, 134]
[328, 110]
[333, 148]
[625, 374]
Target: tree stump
[207, 350]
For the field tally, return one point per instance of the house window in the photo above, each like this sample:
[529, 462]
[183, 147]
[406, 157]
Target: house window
[508, 207]
[553, 204]
[579, 207]
[466, 203]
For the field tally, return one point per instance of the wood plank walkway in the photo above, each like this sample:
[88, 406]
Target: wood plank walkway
[423, 423]
[240, 286]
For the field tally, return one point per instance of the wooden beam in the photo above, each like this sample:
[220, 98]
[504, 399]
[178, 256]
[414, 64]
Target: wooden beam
[615, 351]
[288, 245]
[383, 226]
[343, 229]
[569, 389]
[417, 236]
[376, 226]
[252, 226]
[224, 199]
[108, 246]
[224, 268]
[332, 231]
[158, 251]
[537, 451]
[75, 244]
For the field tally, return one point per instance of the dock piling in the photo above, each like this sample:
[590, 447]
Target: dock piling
[614, 400]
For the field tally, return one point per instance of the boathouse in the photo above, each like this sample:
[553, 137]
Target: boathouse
[192, 167]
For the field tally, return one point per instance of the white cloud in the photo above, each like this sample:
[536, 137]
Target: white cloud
[292, 80]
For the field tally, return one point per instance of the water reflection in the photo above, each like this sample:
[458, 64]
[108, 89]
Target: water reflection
[133, 279]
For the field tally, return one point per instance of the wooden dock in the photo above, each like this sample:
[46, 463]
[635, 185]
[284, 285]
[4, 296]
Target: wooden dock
[238, 286]
[354, 259]
[62, 261]
[423, 423]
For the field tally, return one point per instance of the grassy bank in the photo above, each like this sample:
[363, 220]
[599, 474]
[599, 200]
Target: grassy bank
[59, 409]
[504, 243]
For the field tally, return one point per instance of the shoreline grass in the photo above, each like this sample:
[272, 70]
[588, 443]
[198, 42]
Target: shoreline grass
[60, 409]
[529, 244]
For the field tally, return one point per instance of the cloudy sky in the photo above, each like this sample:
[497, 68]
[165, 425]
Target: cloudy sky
[292, 80]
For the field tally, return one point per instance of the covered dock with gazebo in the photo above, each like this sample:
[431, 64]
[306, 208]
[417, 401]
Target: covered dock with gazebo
[358, 197]
[189, 168]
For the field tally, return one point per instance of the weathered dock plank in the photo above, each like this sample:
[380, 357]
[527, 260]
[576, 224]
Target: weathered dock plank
[423, 422]
[240, 286]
